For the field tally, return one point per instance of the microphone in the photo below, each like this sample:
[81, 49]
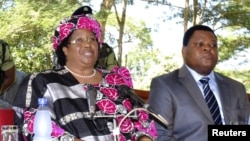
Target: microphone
[138, 101]
[91, 97]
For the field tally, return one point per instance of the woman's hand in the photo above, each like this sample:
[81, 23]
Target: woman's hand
[76, 139]
[144, 138]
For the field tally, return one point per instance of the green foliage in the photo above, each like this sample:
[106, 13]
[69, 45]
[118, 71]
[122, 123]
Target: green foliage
[226, 15]
[235, 11]
[229, 17]
[145, 64]
[143, 61]
[231, 45]
[241, 76]
[29, 26]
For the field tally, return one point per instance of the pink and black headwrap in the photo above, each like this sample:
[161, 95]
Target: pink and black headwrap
[68, 25]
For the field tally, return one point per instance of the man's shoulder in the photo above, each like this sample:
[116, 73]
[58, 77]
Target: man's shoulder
[227, 79]
[169, 76]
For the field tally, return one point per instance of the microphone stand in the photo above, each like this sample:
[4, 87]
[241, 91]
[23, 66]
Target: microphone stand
[116, 128]
[159, 117]
[116, 131]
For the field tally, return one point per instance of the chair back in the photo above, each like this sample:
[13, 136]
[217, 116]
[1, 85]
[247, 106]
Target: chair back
[6, 118]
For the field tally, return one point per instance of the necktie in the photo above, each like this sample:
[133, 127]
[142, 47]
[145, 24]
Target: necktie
[211, 101]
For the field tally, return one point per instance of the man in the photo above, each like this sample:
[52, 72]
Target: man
[107, 59]
[179, 96]
[7, 72]
[7, 67]
[10, 94]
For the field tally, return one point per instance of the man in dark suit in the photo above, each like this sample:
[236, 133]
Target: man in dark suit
[178, 96]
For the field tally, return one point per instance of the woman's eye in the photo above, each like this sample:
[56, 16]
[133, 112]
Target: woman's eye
[91, 39]
[79, 40]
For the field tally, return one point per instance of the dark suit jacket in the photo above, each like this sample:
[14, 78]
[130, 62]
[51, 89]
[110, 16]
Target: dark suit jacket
[177, 97]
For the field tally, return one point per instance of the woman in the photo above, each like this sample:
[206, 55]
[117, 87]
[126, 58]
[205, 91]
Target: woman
[77, 43]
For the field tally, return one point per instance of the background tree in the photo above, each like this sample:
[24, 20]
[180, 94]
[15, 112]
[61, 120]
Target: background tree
[103, 14]
[226, 16]
[28, 26]
[221, 15]
[129, 36]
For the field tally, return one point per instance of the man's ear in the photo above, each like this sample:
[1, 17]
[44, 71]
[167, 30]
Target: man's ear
[184, 51]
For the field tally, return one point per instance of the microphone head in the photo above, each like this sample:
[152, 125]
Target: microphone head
[127, 92]
[91, 97]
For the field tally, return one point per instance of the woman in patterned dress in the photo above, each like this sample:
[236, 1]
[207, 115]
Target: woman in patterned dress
[76, 42]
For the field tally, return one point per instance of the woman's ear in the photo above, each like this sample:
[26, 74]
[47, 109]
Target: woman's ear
[65, 50]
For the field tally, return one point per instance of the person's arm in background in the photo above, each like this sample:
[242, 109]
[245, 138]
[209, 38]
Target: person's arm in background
[111, 61]
[107, 59]
[9, 79]
[8, 66]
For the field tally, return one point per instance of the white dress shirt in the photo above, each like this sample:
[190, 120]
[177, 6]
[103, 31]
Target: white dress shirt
[213, 87]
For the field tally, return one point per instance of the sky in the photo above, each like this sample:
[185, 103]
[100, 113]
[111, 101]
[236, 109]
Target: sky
[168, 35]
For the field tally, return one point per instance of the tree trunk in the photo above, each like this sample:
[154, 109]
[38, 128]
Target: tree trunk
[104, 13]
[121, 23]
[186, 14]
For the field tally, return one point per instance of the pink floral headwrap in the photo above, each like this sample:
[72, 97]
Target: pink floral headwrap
[68, 25]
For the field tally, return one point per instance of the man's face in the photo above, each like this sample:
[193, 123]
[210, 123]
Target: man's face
[201, 53]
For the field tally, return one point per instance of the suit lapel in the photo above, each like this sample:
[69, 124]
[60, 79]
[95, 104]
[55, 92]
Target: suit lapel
[189, 83]
[224, 97]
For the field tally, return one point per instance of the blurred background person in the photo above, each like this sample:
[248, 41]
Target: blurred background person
[107, 59]
[10, 94]
[7, 70]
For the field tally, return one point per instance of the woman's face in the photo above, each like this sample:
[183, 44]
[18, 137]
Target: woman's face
[82, 48]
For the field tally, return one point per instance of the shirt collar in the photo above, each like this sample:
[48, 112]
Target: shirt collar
[198, 76]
